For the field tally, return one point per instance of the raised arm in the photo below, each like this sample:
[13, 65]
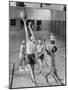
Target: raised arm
[29, 25]
[21, 48]
[26, 30]
[45, 47]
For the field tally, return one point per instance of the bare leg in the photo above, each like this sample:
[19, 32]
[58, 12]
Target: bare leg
[55, 78]
[40, 65]
[58, 78]
[31, 69]
[47, 77]
[20, 67]
[45, 60]
[33, 66]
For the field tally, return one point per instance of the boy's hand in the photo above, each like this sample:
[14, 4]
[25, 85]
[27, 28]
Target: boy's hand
[29, 25]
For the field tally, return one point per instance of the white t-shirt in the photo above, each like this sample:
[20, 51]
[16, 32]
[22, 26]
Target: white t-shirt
[30, 46]
[40, 48]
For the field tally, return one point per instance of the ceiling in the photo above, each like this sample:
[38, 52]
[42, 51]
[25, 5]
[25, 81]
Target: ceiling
[59, 7]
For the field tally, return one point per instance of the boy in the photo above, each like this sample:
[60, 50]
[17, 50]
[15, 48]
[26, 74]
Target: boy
[22, 55]
[30, 47]
[51, 52]
[40, 53]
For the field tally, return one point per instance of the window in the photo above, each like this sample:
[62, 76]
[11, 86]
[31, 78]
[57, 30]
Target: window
[39, 23]
[13, 22]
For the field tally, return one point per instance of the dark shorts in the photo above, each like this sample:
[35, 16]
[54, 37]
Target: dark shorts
[41, 57]
[31, 59]
[53, 42]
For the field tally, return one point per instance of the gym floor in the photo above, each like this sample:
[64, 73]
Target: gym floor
[23, 79]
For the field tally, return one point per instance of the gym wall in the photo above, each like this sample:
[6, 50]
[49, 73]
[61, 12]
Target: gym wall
[58, 23]
[52, 20]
